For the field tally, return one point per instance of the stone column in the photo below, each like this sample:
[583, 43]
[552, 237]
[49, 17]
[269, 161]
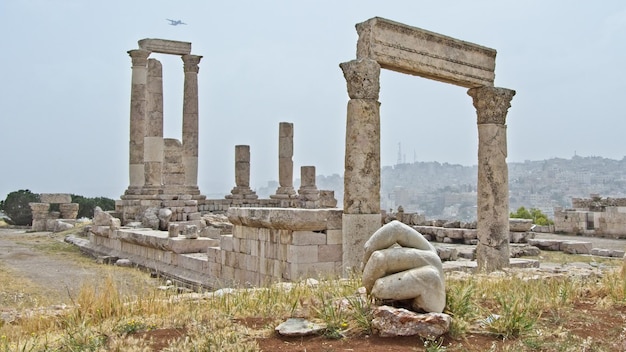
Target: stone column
[242, 174]
[492, 104]
[40, 215]
[361, 201]
[190, 119]
[153, 140]
[285, 162]
[137, 116]
[69, 210]
[308, 193]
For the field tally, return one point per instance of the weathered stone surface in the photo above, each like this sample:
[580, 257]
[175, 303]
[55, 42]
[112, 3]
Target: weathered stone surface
[520, 225]
[415, 51]
[164, 46]
[523, 251]
[362, 161]
[101, 218]
[389, 321]
[123, 263]
[164, 216]
[544, 244]
[58, 198]
[190, 231]
[363, 78]
[447, 253]
[150, 219]
[576, 247]
[412, 271]
[520, 237]
[299, 327]
[61, 226]
[286, 219]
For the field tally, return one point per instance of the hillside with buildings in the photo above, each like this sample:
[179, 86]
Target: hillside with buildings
[448, 191]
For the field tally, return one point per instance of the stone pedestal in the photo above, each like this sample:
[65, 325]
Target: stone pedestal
[361, 202]
[308, 193]
[242, 175]
[69, 210]
[40, 215]
[492, 104]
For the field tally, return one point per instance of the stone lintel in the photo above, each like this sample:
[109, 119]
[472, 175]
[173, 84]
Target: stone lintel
[55, 198]
[398, 47]
[165, 46]
[285, 219]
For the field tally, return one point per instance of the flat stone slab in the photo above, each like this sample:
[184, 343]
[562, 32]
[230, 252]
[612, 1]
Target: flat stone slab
[162, 241]
[287, 218]
[55, 198]
[398, 47]
[471, 265]
[299, 327]
[164, 46]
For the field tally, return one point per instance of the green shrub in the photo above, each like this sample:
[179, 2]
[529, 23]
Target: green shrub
[16, 207]
[87, 205]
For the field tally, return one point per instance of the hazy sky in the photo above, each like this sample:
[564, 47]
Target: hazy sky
[65, 84]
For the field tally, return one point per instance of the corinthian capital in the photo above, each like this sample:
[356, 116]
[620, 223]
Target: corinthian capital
[362, 77]
[491, 103]
[139, 57]
[191, 63]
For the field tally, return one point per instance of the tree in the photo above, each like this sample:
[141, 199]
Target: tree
[535, 214]
[16, 207]
[87, 205]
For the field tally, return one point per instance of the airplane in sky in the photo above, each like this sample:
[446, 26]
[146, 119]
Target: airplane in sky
[175, 22]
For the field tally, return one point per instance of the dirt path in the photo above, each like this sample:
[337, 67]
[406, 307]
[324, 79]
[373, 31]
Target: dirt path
[58, 270]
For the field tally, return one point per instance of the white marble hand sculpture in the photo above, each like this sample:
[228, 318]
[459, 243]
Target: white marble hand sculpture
[412, 271]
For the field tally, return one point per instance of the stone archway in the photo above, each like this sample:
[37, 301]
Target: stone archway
[394, 46]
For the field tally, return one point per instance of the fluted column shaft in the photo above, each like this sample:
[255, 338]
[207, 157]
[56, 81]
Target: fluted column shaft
[137, 116]
[190, 119]
[492, 104]
[285, 162]
[153, 140]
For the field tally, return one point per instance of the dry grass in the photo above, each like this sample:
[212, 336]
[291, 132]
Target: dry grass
[528, 312]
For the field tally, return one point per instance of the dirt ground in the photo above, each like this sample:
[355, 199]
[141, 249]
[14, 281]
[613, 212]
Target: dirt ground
[61, 275]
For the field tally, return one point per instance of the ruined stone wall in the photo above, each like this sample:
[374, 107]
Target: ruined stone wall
[597, 203]
[266, 245]
[612, 223]
[570, 222]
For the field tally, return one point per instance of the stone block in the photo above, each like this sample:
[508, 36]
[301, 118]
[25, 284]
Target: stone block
[56, 198]
[255, 247]
[302, 254]
[308, 238]
[164, 46]
[226, 243]
[520, 225]
[329, 253]
[455, 233]
[214, 254]
[280, 218]
[334, 237]
[299, 271]
[616, 253]
[548, 245]
[576, 247]
[415, 51]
